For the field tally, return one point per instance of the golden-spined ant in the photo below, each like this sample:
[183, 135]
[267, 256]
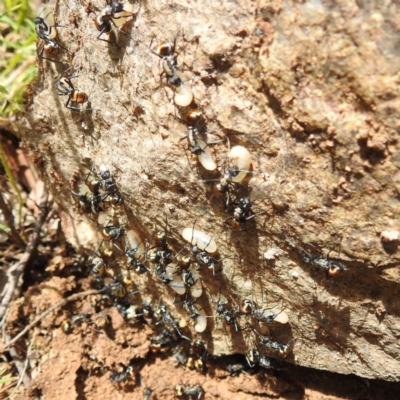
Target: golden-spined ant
[233, 171]
[65, 87]
[88, 204]
[197, 354]
[164, 340]
[111, 232]
[134, 262]
[168, 319]
[102, 183]
[75, 320]
[47, 33]
[267, 314]
[254, 358]
[189, 392]
[114, 10]
[167, 53]
[222, 312]
[332, 268]
[283, 350]
[241, 213]
[117, 377]
[195, 313]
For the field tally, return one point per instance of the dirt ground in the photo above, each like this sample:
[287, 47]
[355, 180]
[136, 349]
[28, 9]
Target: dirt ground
[77, 363]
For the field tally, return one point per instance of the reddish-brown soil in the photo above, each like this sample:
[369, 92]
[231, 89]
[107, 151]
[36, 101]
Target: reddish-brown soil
[78, 364]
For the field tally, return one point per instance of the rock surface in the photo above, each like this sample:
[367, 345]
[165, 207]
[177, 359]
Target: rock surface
[311, 89]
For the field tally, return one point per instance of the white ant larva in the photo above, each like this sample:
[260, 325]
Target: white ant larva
[176, 282]
[135, 243]
[183, 90]
[201, 321]
[278, 315]
[196, 290]
[177, 285]
[126, 12]
[199, 239]
[205, 157]
[241, 159]
[103, 217]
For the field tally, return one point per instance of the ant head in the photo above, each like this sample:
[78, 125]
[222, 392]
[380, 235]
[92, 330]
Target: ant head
[39, 20]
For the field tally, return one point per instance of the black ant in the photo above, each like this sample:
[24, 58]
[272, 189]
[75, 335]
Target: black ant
[88, 204]
[108, 185]
[75, 320]
[242, 212]
[226, 314]
[66, 88]
[332, 267]
[197, 354]
[47, 33]
[250, 307]
[111, 232]
[190, 307]
[147, 394]
[168, 319]
[128, 311]
[135, 263]
[103, 180]
[254, 358]
[162, 256]
[115, 289]
[118, 377]
[105, 21]
[166, 52]
[188, 279]
[236, 369]
[282, 349]
[188, 392]
[97, 265]
[83, 203]
[162, 341]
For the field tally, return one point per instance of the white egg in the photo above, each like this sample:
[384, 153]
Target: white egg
[205, 158]
[135, 242]
[240, 158]
[199, 239]
[201, 322]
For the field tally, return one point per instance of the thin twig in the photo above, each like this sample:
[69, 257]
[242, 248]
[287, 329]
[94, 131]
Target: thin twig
[49, 310]
[28, 353]
[10, 176]
[19, 364]
[9, 220]
[14, 273]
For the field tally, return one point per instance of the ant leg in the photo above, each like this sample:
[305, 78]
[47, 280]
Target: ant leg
[104, 30]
